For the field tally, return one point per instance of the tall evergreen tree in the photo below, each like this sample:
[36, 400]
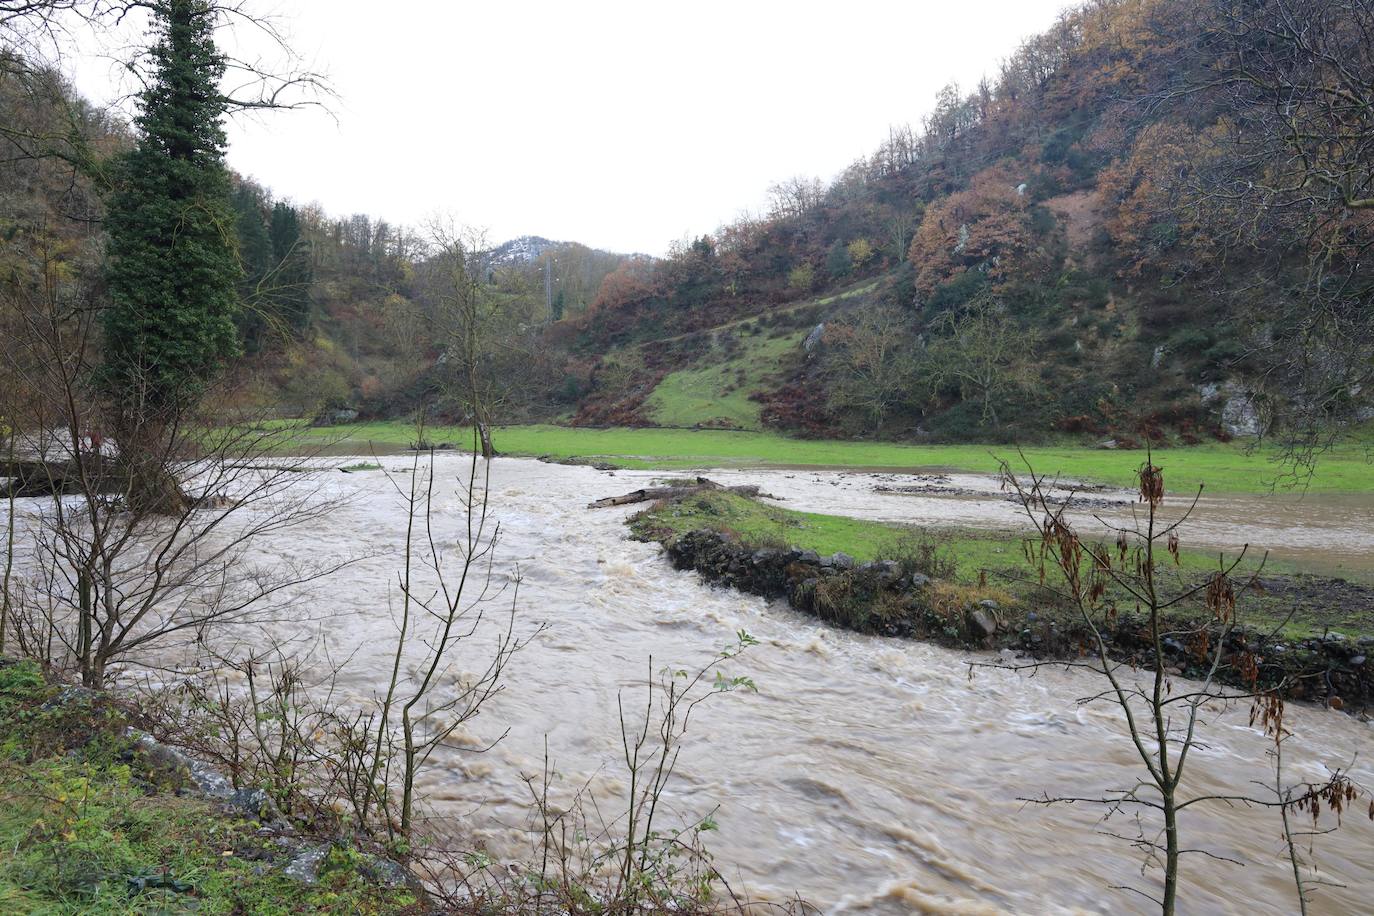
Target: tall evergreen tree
[256, 262]
[173, 268]
[293, 274]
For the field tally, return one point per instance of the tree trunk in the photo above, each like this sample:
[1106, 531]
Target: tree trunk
[145, 467]
[1171, 855]
[649, 494]
[484, 432]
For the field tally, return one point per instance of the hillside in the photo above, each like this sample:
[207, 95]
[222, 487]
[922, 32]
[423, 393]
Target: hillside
[1110, 239]
[1042, 256]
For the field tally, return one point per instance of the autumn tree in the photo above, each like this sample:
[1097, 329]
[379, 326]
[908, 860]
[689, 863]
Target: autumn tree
[986, 227]
[629, 282]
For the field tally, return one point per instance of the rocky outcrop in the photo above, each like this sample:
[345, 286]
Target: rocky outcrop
[1236, 407]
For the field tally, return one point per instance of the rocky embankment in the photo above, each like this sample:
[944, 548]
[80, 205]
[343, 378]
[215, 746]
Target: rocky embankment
[885, 599]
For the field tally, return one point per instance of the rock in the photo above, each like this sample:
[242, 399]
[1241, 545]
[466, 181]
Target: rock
[1334, 637]
[71, 695]
[254, 803]
[305, 867]
[389, 874]
[964, 236]
[919, 581]
[211, 783]
[981, 623]
[1357, 661]
[810, 557]
[1367, 640]
[989, 604]
[842, 560]
[1239, 415]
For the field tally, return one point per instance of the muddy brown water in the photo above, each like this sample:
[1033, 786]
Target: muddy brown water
[867, 775]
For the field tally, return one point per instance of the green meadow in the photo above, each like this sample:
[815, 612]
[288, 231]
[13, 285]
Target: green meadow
[1222, 467]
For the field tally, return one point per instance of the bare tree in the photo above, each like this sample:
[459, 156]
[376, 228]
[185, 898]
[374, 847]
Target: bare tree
[445, 602]
[111, 578]
[982, 351]
[38, 34]
[874, 366]
[1165, 724]
[794, 197]
[464, 312]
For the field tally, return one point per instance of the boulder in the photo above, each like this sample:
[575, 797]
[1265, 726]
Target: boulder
[981, 622]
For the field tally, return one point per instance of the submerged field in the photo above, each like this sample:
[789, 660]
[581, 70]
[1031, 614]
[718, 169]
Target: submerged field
[1222, 467]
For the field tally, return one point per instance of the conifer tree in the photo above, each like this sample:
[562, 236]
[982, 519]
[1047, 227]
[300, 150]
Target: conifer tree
[173, 268]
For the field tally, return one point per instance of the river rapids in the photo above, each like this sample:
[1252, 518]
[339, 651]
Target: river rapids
[866, 775]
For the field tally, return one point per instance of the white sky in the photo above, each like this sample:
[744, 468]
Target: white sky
[624, 125]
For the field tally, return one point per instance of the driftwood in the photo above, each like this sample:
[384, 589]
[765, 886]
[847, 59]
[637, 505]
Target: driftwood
[35, 477]
[650, 494]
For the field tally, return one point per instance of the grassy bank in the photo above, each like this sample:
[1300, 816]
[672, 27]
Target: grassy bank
[1224, 468]
[90, 824]
[965, 555]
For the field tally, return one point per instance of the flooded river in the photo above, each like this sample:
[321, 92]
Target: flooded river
[868, 775]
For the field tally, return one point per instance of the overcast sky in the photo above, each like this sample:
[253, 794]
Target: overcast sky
[624, 125]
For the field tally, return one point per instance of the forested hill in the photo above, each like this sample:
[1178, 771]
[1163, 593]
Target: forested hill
[1150, 223]
[1116, 236]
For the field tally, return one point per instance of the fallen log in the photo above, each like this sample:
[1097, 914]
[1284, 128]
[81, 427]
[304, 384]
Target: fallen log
[652, 494]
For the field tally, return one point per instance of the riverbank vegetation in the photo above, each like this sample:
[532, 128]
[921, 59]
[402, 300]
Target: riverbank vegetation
[95, 821]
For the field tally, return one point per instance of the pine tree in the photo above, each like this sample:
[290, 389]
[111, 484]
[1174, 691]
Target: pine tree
[173, 268]
[256, 261]
[294, 274]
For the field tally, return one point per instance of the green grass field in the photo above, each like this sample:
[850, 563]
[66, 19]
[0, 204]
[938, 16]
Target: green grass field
[1224, 468]
[718, 394]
